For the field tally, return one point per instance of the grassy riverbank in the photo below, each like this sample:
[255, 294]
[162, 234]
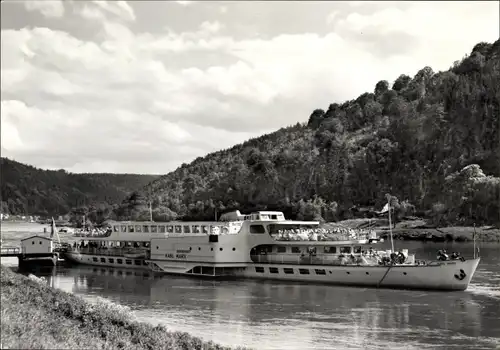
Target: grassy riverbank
[35, 316]
[420, 230]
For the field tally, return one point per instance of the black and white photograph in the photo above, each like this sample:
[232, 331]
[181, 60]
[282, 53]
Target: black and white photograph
[266, 175]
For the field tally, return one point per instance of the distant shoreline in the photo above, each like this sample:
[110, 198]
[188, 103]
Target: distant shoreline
[450, 234]
[416, 230]
[407, 230]
[36, 316]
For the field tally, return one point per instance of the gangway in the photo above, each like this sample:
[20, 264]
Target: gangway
[52, 258]
[10, 252]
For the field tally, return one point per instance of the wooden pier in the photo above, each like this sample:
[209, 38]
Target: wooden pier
[34, 250]
[10, 252]
[31, 259]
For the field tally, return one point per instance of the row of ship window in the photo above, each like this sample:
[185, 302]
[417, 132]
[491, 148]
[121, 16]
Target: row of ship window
[122, 273]
[289, 271]
[298, 249]
[178, 228]
[162, 228]
[199, 248]
[327, 250]
[330, 250]
[120, 261]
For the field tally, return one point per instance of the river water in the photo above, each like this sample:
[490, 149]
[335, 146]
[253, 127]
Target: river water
[291, 315]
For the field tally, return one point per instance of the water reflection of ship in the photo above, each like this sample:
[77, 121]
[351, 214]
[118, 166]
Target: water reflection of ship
[365, 311]
[362, 314]
[118, 284]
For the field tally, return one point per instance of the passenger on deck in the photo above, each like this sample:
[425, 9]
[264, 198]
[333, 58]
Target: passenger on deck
[353, 259]
[385, 260]
[315, 234]
[442, 255]
[342, 260]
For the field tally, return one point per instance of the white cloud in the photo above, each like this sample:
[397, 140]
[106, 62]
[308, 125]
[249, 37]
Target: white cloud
[331, 17]
[100, 10]
[92, 13]
[210, 27]
[9, 134]
[119, 8]
[434, 30]
[48, 8]
[116, 104]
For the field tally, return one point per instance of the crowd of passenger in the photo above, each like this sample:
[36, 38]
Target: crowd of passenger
[93, 232]
[322, 234]
[345, 256]
[442, 255]
[110, 245]
[369, 257]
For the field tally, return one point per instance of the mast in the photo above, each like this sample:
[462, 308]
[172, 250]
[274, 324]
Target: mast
[390, 223]
[474, 241]
[53, 230]
[150, 206]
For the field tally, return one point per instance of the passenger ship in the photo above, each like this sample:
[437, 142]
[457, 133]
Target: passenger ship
[266, 245]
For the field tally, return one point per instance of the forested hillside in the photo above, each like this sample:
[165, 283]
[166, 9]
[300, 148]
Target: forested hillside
[28, 190]
[432, 141]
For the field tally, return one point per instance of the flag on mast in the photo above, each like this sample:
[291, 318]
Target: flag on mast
[53, 230]
[385, 209]
[388, 205]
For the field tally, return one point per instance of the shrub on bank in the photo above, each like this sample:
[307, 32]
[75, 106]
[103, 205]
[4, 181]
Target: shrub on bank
[35, 316]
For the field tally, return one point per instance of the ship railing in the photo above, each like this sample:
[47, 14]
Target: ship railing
[223, 228]
[10, 250]
[110, 251]
[323, 237]
[333, 260]
[92, 234]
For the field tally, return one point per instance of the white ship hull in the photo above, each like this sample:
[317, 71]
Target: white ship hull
[448, 275]
[438, 275]
[106, 260]
[266, 246]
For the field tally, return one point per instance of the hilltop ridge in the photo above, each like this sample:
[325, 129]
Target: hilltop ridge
[28, 190]
[432, 141]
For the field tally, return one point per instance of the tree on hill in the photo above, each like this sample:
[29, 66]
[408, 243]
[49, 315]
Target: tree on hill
[28, 190]
[406, 140]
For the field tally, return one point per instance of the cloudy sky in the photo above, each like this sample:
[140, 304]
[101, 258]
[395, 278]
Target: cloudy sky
[143, 86]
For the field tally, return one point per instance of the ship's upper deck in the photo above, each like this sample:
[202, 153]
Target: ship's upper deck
[271, 222]
[255, 216]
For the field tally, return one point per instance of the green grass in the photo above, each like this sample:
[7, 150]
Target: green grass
[36, 316]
